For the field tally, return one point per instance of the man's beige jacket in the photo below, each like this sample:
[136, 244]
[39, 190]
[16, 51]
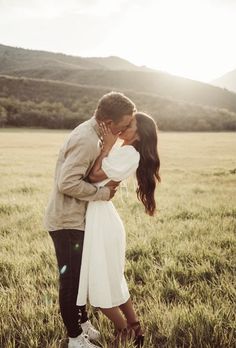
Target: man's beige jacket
[68, 202]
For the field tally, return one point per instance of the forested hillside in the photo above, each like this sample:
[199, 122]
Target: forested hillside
[40, 103]
[44, 89]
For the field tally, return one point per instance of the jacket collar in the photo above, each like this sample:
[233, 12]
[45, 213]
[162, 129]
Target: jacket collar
[95, 126]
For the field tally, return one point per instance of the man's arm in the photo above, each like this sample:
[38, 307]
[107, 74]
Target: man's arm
[71, 177]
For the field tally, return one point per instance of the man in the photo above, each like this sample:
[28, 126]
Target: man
[65, 214]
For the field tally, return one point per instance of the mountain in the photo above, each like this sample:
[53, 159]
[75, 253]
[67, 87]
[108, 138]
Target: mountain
[112, 73]
[227, 81]
[116, 63]
[14, 59]
[54, 90]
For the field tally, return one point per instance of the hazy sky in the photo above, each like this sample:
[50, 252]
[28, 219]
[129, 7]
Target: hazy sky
[191, 38]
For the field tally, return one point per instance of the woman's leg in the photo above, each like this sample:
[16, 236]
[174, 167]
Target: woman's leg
[125, 329]
[129, 312]
[115, 315]
[133, 323]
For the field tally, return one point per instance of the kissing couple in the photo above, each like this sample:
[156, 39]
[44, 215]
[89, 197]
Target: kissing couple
[86, 230]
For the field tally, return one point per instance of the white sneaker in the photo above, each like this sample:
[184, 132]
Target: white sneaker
[81, 341]
[90, 330]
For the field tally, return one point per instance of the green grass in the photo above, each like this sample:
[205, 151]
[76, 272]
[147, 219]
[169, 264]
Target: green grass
[180, 264]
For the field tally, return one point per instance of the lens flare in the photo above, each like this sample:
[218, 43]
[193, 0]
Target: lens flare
[63, 269]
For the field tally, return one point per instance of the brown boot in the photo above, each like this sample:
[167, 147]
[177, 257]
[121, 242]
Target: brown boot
[136, 332]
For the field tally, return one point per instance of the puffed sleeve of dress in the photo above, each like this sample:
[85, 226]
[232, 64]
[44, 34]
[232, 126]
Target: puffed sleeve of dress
[121, 163]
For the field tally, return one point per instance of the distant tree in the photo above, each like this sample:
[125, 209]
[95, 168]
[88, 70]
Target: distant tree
[3, 116]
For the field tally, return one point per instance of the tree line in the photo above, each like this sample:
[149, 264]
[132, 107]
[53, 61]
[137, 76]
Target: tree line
[169, 114]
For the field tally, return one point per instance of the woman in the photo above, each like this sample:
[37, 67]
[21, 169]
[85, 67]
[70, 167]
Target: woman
[102, 271]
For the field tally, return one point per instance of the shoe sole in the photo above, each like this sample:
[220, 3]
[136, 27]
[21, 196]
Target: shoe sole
[63, 343]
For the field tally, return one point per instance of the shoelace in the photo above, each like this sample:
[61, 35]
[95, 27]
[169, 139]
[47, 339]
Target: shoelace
[90, 329]
[86, 339]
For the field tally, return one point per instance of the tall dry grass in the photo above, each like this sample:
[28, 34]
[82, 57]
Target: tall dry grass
[180, 264]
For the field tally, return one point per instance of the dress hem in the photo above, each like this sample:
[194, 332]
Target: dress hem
[114, 305]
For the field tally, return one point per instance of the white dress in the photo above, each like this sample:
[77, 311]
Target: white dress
[102, 280]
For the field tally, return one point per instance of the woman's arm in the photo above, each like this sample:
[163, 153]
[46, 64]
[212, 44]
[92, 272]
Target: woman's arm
[96, 173]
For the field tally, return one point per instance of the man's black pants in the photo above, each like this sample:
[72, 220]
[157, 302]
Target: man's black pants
[68, 247]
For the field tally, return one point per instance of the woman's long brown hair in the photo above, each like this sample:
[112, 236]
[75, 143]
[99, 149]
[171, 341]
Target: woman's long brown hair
[148, 170]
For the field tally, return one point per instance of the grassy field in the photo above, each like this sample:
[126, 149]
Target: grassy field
[180, 265]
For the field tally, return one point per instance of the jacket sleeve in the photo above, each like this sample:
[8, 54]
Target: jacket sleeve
[73, 171]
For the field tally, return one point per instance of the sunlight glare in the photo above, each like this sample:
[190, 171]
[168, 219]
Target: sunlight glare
[179, 37]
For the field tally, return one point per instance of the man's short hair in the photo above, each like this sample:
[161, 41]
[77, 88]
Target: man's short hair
[114, 106]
